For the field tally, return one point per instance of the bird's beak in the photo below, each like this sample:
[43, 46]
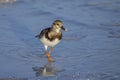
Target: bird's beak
[63, 28]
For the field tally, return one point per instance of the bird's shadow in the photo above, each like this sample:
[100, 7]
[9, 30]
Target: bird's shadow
[47, 70]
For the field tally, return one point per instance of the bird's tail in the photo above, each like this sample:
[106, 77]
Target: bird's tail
[37, 36]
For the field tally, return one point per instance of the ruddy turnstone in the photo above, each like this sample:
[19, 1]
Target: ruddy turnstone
[51, 36]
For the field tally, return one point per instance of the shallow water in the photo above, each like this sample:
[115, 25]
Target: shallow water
[90, 50]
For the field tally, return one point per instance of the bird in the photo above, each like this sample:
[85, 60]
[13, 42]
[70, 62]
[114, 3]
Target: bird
[50, 37]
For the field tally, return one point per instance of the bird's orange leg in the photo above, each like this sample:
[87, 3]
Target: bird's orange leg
[49, 57]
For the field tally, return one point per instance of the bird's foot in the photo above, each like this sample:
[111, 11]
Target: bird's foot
[50, 59]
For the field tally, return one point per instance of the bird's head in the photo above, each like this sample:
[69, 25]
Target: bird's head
[58, 25]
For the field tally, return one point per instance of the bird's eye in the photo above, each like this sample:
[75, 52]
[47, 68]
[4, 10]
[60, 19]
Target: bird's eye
[58, 24]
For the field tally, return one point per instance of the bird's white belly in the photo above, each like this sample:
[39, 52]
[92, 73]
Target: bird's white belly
[48, 42]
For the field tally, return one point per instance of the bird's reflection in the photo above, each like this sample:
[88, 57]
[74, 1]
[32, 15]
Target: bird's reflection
[47, 70]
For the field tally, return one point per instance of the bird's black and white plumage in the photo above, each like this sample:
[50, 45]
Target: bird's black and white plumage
[51, 36]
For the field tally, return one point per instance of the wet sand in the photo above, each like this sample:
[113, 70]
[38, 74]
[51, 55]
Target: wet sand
[90, 49]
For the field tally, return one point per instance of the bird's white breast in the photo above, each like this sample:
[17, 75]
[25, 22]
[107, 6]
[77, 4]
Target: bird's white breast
[48, 42]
